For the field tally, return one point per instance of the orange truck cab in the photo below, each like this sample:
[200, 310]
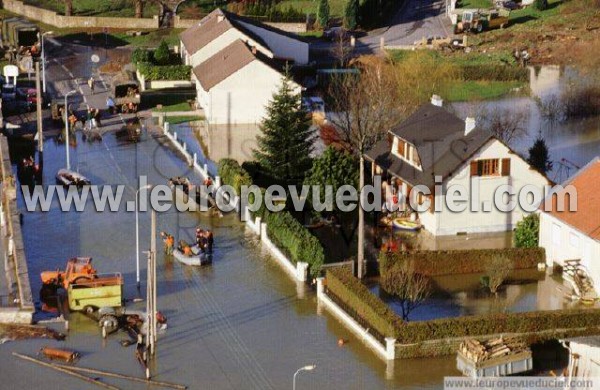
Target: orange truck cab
[78, 269]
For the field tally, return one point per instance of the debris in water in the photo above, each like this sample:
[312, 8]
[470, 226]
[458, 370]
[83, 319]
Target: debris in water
[62, 354]
[22, 332]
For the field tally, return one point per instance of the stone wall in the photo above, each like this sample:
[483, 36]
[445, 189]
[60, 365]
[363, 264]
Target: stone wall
[61, 21]
[289, 27]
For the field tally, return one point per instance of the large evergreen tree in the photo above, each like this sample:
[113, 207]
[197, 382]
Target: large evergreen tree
[286, 141]
[335, 168]
[539, 157]
[323, 13]
[351, 14]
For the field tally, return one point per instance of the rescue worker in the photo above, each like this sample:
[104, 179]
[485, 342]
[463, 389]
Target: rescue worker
[169, 241]
[110, 105]
[185, 248]
[200, 239]
[209, 239]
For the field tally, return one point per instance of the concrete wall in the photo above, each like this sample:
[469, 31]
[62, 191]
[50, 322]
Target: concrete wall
[495, 220]
[61, 21]
[16, 265]
[563, 242]
[243, 96]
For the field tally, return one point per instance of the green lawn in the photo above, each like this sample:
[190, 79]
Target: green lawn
[174, 120]
[476, 4]
[336, 7]
[182, 106]
[480, 90]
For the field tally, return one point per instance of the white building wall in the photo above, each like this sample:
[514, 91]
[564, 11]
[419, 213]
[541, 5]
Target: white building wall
[281, 45]
[468, 221]
[588, 361]
[220, 43]
[564, 242]
[242, 97]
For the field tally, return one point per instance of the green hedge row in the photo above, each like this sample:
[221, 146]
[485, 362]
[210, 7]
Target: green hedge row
[435, 263]
[488, 324]
[233, 174]
[377, 314]
[166, 72]
[295, 240]
[494, 73]
[355, 295]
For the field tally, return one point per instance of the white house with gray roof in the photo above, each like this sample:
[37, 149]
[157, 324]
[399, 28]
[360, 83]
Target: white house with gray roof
[444, 153]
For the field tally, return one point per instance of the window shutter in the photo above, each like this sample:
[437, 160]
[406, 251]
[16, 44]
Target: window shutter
[506, 167]
[474, 168]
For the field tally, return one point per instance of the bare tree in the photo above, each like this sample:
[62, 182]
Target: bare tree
[364, 107]
[505, 124]
[68, 7]
[342, 50]
[497, 269]
[409, 287]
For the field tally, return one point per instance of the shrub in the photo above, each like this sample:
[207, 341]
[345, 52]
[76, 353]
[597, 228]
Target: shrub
[541, 4]
[494, 72]
[527, 232]
[435, 263]
[162, 55]
[233, 174]
[141, 55]
[295, 240]
[355, 295]
[167, 72]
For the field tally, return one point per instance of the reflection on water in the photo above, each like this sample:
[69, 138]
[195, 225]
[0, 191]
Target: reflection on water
[576, 140]
[463, 295]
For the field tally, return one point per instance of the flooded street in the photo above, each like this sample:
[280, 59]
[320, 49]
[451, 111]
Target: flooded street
[240, 323]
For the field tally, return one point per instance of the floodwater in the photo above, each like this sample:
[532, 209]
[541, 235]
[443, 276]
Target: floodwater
[463, 295]
[577, 141]
[238, 324]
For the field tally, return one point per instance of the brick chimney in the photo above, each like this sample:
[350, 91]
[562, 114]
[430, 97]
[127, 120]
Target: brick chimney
[436, 100]
[469, 124]
[253, 49]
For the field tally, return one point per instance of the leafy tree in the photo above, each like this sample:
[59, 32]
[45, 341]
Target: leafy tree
[351, 14]
[539, 157]
[162, 54]
[68, 7]
[323, 13]
[333, 168]
[286, 141]
[497, 269]
[139, 8]
[527, 232]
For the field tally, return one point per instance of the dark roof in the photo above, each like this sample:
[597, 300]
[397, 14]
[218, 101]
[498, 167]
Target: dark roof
[210, 27]
[440, 141]
[223, 64]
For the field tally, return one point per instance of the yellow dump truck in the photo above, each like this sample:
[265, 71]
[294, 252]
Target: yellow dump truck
[482, 20]
[90, 295]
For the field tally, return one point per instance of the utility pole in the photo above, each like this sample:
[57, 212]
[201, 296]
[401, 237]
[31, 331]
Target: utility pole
[40, 130]
[151, 292]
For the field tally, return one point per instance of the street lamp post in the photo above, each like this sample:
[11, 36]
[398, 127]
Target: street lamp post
[137, 235]
[305, 368]
[44, 60]
[66, 113]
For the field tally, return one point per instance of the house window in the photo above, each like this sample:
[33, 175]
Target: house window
[401, 148]
[490, 167]
[556, 234]
[574, 240]
[408, 152]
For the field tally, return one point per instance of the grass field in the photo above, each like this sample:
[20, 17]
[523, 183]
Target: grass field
[174, 120]
[336, 7]
[481, 90]
[182, 106]
[476, 4]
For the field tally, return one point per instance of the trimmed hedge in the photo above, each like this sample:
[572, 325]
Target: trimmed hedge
[488, 324]
[233, 174]
[355, 295]
[167, 72]
[494, 73]
[378, 315]
[294, 239]
[435, 263]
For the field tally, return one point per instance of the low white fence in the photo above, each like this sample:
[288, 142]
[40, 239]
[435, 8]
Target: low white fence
[299, 271]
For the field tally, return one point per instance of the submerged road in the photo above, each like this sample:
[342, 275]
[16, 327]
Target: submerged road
[238, 324]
